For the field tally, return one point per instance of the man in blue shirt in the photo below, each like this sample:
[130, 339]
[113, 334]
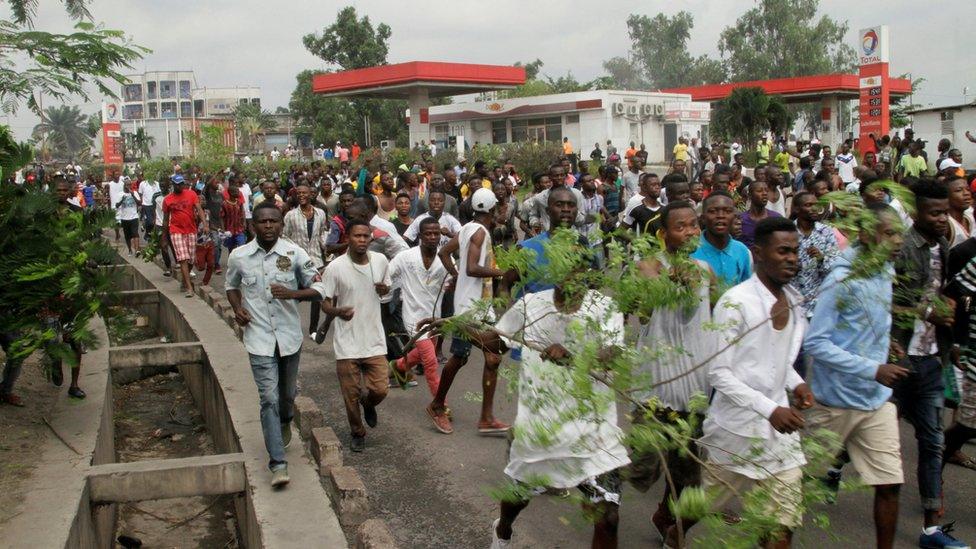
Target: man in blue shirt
[849, 340]
[728, 258]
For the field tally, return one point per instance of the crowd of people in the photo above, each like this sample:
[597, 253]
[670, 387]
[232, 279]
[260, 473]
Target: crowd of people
[807, 336]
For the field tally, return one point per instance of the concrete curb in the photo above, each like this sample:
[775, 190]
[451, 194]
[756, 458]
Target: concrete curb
[374, 534]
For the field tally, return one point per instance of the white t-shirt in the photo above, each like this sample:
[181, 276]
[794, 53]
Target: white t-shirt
[470, 289]
[245, 190]
[129, 207]
[446, 220]
[421, 289]
[147, 189]
[362, 336]
[845, 166]
[114, 194]
[158, 199]
[778, 206]
[588, 445]
[275, 155]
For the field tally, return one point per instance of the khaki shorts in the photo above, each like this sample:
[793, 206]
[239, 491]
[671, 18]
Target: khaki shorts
[870, 438]
[785, 491]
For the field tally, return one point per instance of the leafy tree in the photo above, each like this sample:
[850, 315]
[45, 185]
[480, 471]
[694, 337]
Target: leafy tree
[93, 124]
[783, 38]
[59, 65]
[747, 112]
[13, 155]
[539, 84]
[251, 123]
[660, 53]
[351, 42]
[139, 143]
[65, 129]
[625, 73]
[532, 68]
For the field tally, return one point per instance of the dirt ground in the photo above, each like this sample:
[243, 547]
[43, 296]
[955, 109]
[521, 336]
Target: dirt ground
[23, 433]
[155, 418]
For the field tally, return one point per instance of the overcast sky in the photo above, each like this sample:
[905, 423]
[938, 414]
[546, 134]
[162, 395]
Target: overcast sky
[247, 42]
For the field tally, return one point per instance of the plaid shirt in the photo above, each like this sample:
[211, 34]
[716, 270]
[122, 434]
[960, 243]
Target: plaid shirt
[296, 230]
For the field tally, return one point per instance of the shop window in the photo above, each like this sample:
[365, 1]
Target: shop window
[499, 133]
[520, 130]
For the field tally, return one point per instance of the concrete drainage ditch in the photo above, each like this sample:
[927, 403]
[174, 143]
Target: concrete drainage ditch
[167, 448]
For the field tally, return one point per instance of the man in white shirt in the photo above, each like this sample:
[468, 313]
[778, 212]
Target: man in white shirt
[751, 429]
[147, 190]
[358, 336]
[420, 276]
[114, 187]
[449, 224]
[275, 154]
[845, 161]
[473, 284]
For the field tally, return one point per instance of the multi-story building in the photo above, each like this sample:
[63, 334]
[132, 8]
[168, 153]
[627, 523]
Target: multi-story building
[169, 107]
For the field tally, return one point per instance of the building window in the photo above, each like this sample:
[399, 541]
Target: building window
[153, 110]
[520, 130]
[150, 90]
[132, 112]
[572, 119]
[499, 133]
[440, 132]
[184, 89]
[186, 109]
[198, 108]
[167, 109]
[554, 129]
[256, 102]
[167, 89]
[132, 92]
[242, 101]
[948, 122]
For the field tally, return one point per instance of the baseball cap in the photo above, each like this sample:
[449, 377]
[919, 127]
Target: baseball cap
[483, 200]
[177, 179]
[949, 163]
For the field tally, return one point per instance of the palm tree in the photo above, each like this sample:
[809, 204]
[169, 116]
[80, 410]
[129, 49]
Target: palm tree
[747, 112]
[139, 143]
[251, 122]
[65, 129]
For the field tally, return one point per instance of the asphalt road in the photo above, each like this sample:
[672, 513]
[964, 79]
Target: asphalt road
[432, 489]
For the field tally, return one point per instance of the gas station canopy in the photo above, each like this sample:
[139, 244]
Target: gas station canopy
[798, 89]
[399, 80]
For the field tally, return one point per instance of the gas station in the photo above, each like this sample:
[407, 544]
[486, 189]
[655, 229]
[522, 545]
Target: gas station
[872, 86]
[418, 82]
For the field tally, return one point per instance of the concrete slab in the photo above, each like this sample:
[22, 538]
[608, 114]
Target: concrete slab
[298, 516]
[138, 297]
[162, 354]
[167, 478]
[58, 483]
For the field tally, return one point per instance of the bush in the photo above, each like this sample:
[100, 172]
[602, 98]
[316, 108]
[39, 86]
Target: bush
[530, 158]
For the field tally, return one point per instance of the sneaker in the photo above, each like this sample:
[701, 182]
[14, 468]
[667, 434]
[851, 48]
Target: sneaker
[12, 400]
[940, 539]
[832, 483]
[358, 444]
[497, 542]
[441, 422]
[286, 434]
[167, 274]
[493, 427]
[369, 415]
[279, 477]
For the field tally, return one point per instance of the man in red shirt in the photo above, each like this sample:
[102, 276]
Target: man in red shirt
[181, 214]
[355, 150]
[232, 217]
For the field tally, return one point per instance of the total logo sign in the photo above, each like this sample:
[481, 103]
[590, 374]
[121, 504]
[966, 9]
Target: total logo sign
[110, 113]
[874, 45]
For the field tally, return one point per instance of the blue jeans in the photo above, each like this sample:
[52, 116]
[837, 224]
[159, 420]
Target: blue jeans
[920, 399]
[277, 381]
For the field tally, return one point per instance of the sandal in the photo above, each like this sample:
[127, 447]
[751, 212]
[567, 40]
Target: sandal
[962, 460]
[493, 427]
[76, 392]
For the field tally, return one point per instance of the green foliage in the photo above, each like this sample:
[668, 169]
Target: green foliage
[746, 113]
[251, 122]
[659, 49]
[139, 144]
[49, 261]
[350, 42]
[65, 129]
[156, 169]
[61, 65]
[13, 155]
[772, 40]
[546, 85]
[210, 151]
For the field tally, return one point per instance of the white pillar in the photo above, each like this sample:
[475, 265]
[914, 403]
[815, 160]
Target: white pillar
[419, 101]
[830, 125]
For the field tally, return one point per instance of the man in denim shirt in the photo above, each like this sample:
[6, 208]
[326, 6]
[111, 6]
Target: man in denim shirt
[265, 279]
[848, 341]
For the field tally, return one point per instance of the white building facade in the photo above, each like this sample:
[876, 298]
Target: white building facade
[653, 119]
[950, 122]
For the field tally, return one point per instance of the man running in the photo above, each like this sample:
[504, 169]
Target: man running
[265, 278]
[420, 276]
[181, 214]
[472, 285]
[353, 285]
[751, 429]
